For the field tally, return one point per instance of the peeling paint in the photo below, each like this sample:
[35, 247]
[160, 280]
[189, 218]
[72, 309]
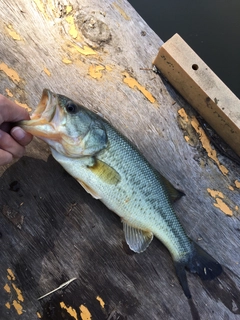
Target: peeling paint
[223, 207]
[41, 7]
[17, 307]
[69, 9]
[215, 193]
[66, 61]
[207, 146]
[9, 93]
[132, 83]
[23, 105]
[73, 30]
[121, 11]
[102, 303]
[15, 294]
[85, 50]
[237, 184]
[85, 314]
[13, 34]
[12, 74]
[11, 274]
[183, 114]
[220, 204]
[231, 188]
[18, 292]
[96, 71]
[7, 288]
[39, 315]
[47, 72]
[70, 310]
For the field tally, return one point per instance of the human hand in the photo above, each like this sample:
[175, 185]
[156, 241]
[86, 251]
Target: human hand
[12, 139]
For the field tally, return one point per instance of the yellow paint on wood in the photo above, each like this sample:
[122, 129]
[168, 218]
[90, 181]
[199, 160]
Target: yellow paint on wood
[66, 61]
[237, 184]
[183, 114]
[231, 188]
[132, 83]
[85, 50]
[23, 105]
[215, 193]
[41, 7]
[18, 292]
[102, 303]
[17, 307]
[69, 8]
[85, 314]
[11, 274]
[70, 310]
[121, 11]
[47, 71]
[220, 204]
[7, 305]
[96, 71]
[207, 146]
[73, 30]
[9, 93]
[7, 288]
[13, 34]
[12, 74]
[223, 207]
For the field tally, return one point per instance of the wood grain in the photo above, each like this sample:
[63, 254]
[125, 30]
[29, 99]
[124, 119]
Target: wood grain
[51, 230]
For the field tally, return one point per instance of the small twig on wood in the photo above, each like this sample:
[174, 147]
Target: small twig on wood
[62, 286]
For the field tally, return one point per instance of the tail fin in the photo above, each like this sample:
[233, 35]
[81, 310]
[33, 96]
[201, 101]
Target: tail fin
[200, 262]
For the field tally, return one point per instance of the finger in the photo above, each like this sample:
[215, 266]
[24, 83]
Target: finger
[7, 143]
[5, 157]
[21, 136]
[11, 112]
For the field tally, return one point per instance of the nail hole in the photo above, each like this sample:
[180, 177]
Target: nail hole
[195, 66]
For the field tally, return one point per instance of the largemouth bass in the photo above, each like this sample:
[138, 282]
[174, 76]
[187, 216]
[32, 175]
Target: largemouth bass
[111, 169]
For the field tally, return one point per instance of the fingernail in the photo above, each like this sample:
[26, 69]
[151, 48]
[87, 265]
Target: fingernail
[18, 133]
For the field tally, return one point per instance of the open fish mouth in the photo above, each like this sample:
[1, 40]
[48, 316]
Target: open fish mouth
[46, 118]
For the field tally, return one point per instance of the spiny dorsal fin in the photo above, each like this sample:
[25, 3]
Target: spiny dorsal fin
[138, 240]
[173, 193]
[106, 173]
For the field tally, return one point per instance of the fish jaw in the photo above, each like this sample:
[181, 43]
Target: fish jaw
[47, 121]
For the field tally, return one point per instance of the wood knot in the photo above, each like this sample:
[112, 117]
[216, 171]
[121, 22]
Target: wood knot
[94, 29]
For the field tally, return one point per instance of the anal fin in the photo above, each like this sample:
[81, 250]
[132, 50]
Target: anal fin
[137, 239]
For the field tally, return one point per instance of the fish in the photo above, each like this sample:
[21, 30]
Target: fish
[109, 167]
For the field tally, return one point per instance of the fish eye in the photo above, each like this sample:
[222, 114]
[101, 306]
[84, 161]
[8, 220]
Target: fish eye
[71, 107]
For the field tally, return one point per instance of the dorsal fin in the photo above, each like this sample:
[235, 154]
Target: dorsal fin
[173, 193]
[138, 240]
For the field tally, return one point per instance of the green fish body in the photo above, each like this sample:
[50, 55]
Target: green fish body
[111, 169]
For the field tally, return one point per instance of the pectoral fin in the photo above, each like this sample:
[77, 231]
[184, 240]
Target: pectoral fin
[104, 172]
[89, 189]
[138, 240]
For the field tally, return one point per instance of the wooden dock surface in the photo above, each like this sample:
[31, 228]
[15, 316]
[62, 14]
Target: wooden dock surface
[100, 54]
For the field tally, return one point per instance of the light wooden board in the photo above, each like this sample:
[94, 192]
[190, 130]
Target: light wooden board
[202, 88]
[99, 53]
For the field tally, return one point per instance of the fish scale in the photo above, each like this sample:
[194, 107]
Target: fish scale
[111, 169]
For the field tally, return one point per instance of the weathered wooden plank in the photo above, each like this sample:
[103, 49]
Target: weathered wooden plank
[94, 52]
[202, 88]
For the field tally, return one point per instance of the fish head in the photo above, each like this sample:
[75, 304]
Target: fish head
[68, 127]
